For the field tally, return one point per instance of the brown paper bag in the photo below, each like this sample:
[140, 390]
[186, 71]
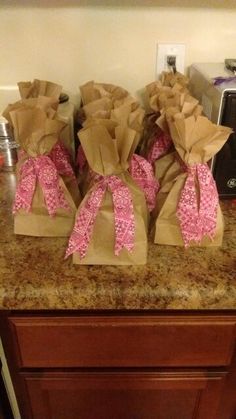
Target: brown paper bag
[159, 98]
[37, 135]
[84, 175]
[47, 89]
[166, 165]
[128, 113]
[50, 105]
[196, 140]
[187, 106]
[109, 156]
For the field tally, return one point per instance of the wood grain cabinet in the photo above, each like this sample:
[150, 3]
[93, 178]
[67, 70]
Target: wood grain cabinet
[122, 365]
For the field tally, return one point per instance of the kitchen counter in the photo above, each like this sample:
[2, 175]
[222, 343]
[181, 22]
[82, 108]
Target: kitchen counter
[34, 274]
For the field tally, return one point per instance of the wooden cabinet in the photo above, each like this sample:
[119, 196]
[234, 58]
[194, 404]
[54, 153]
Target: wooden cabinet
[121, 341]
[122, 365]
[124, 395]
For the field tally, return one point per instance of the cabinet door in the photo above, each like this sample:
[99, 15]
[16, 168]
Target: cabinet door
[123, 341]
[128, 395]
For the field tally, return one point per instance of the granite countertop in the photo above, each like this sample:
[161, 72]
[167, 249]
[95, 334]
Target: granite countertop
[34, 274]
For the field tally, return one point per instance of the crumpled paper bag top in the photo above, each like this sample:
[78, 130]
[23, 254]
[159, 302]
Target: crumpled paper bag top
[108, 152]
[34, 131]
[126, 114]
[195, 137]
[99, 108]
[37, 88]
[98, 100]
[185, 104]
[47, 104]
[169, 78]
[106, 101]
[160, 96]
[92, 91]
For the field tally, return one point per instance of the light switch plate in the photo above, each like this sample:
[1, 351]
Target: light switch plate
[163, 50]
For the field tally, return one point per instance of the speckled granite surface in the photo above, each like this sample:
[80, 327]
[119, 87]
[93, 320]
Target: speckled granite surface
[33, 274]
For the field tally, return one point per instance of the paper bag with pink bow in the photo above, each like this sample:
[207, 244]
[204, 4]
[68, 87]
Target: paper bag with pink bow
[59, 153]
[162, 95]
[156, 141]
[111, 221]
[43, 205]
[162, 151]
[190, 213]
[139, 168]
[128, 113]
[64, 111]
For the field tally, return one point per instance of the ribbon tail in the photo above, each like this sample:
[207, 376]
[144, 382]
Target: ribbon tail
[160, 146]
[187, 210]
[61, 158]
[49, 182]
[84, 223]
[26, 187]
[81, 159]
[123, 214]
[142, 173]
[209, 201]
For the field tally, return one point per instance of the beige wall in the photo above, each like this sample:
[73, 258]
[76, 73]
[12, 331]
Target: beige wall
[117, 44]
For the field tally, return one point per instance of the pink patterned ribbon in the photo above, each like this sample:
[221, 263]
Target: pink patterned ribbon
[160, 146]
[197, 213]
[81, 159]
[61, 158]
[142, 173]
[123, 215]
[39, 168]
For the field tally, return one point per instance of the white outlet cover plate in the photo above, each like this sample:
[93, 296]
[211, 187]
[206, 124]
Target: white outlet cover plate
[163, 50]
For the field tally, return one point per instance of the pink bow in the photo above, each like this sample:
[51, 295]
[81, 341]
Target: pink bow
[198, 220]
[123, 215]
[159, 148]
[81, 159]
[39, 168]
[61, 158]
[142, 173]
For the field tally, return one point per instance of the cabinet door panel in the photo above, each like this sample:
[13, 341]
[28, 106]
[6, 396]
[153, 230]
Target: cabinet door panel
[118, 341]
[124, 395]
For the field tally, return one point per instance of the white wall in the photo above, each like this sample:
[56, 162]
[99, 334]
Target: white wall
[72, 44]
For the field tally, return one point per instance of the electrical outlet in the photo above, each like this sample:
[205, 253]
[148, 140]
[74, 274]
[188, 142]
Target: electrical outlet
[165, 50]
